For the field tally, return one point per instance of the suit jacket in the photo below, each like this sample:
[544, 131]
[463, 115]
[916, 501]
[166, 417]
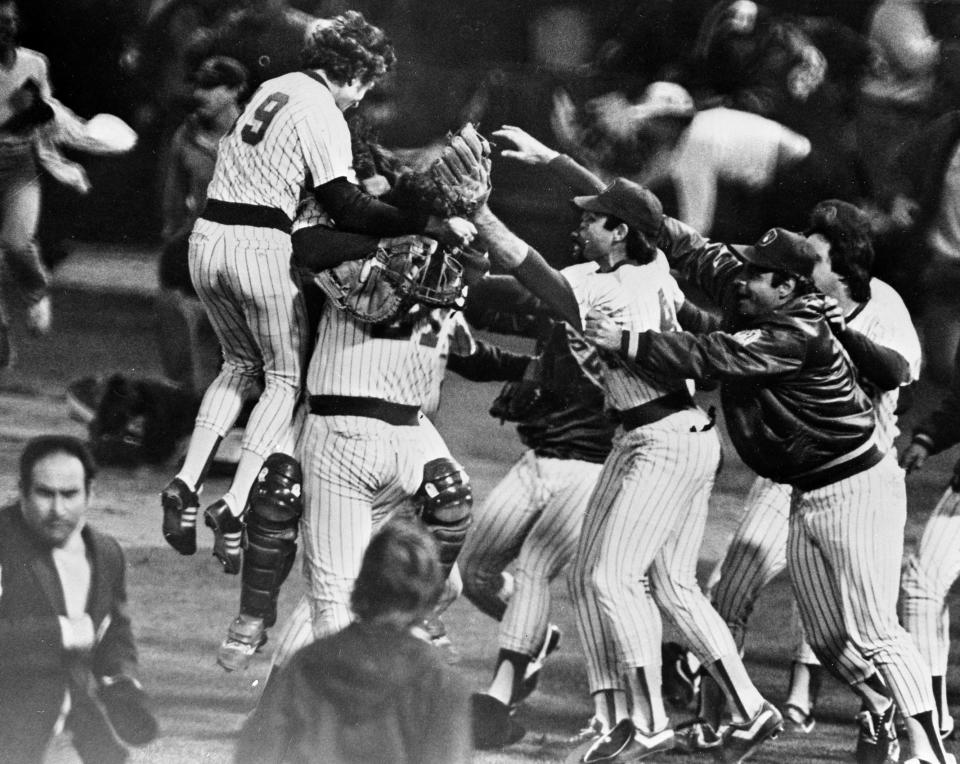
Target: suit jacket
[35, 670]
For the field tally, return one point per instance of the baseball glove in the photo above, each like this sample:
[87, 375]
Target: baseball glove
[462, 173]
[375, 290]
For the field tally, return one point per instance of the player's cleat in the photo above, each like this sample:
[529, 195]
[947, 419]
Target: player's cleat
[626, 743]
[531, 676]
[594, 728]
[697, 736]
[180, 505]
[227, 535]
[741, 739]
[493, 726]
[245, 637]
[40, 316]
[798, 720]
[877, 741]
[681, 676]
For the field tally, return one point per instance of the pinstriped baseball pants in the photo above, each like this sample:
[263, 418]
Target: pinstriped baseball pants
[533, 516]
[357, 474]
[843, 553]
[243, 277]
[639, 546]
[927, 577]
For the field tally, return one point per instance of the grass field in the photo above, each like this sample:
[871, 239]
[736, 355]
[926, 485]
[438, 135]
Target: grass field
[182, 605]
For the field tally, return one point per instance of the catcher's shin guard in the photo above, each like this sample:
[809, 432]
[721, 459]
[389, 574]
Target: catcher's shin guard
[445, 501]
[273, 516]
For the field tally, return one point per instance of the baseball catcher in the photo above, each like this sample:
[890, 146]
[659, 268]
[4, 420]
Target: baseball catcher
[408, 270]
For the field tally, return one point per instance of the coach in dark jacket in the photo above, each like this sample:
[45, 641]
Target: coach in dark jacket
[67, 655]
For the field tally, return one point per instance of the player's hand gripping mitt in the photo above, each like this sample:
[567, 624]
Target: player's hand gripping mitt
[462, 173]
[376, 289]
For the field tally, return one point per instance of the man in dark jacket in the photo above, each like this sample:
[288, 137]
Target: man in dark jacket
[63, 618]
[796, 415]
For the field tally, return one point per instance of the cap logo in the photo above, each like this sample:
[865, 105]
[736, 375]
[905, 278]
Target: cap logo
[768, 238]
[829, 213]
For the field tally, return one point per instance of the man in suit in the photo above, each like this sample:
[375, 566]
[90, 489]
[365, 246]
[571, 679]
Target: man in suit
[67, 659]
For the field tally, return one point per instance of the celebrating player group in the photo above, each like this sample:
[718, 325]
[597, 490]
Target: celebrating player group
[808, 350]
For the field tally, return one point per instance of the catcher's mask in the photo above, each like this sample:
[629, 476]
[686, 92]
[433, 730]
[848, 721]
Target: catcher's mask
[440, 284]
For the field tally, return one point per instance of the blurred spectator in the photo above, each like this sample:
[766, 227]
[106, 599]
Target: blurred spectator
[63, 618]
[189, 350]
[925, 181]
[373, 692]
[664, 139]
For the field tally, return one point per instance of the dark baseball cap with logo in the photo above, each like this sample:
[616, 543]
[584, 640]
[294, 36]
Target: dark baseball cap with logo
[220, 70]
[781, 250]
[628, 201]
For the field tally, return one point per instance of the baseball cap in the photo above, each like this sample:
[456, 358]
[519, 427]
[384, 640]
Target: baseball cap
[781, 250]
[629, 201]
[220, 70]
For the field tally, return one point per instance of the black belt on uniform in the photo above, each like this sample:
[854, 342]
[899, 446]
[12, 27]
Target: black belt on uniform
[655, 410]
[234, 213]
[396, 414]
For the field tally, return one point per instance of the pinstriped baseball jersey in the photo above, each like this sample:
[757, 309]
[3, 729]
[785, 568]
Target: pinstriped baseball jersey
[399, 363]
[291, 136]
[640, 298]
[885, 320]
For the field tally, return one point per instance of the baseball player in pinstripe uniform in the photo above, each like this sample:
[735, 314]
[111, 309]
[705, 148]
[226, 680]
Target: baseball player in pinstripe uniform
[291, 139]
[645, 520]
[367, 448]
[934, 566]
[533, 515]
[881, 341]
[796, 415]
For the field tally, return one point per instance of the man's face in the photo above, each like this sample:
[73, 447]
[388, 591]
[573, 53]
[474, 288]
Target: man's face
[211, 102]
[592, 241]
[9, 24]
[756, 295]
[824, 277]
[352, 94]
[54, 505]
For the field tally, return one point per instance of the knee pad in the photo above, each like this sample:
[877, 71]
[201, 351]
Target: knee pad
[445, 502]
[273, 517]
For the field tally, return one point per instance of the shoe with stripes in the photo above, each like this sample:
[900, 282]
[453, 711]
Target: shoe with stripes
[245, 636]
[227, 535]
[627, 743]
[741, 739]
[877, 740]
[180, 504]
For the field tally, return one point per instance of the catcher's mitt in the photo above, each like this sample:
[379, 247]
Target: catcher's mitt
[462, 173]
[374, 290]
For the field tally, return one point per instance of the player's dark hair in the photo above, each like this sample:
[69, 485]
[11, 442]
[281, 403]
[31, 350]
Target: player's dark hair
[347, 46]
[640, 248]
[400, 577]
[851, 250]
[44, 445]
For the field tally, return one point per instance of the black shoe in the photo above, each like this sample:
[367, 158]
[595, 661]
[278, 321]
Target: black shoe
[227, 535]
[609, 746]
[493, 727]
[175, 499]
[741, 739]
[877, 741]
